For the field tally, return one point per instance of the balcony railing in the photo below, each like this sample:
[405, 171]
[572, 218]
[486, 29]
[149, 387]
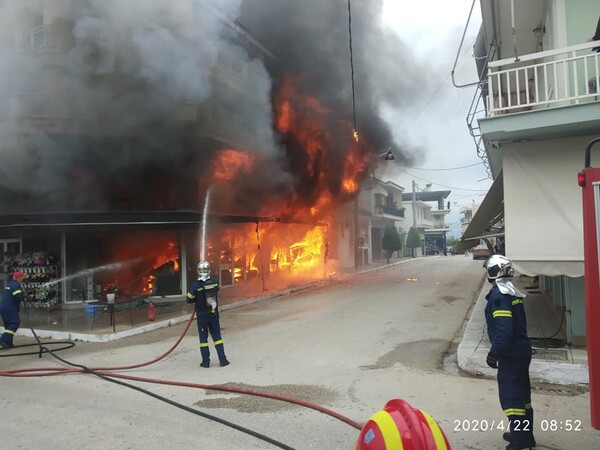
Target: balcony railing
[560, 77]
[389, 210]
[43, 37]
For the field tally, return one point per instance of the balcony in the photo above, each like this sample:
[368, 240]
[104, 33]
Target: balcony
[47, 37]
[554, 78]
[389, 211]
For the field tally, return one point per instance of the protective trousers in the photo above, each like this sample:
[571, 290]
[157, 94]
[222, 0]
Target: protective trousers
[12, 321]
[514, 388]
[210, 323]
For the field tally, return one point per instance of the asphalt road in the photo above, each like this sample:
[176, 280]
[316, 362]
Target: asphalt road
[349, 346]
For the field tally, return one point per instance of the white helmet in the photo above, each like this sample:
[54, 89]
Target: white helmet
[203, 270]
[498, 266]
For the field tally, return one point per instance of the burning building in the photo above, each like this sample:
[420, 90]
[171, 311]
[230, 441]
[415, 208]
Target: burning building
[121, 121]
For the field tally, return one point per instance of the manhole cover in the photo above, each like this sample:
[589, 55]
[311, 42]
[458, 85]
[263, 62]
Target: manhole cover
[550, 354]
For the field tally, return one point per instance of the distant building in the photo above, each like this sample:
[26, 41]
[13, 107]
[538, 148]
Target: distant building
[428, 219]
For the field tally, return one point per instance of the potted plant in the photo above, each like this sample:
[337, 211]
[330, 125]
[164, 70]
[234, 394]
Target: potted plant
[111, 292]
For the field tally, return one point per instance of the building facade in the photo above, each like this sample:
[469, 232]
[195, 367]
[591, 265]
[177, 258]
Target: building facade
[124, 121]
[538, 93]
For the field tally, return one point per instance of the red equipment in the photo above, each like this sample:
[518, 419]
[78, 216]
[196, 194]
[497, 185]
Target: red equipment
[151, 312]
[589, 180]
[400, 426]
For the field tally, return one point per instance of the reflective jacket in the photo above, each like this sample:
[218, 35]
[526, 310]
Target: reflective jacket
[198, 293]
[12, 296]
[506, 324]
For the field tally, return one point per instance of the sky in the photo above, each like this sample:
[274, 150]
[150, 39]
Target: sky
[437, 125]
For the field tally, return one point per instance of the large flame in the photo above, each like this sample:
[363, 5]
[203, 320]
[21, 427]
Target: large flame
[232, 163]
[334, 159]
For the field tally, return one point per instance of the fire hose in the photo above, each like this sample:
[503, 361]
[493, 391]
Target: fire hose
[108, 374]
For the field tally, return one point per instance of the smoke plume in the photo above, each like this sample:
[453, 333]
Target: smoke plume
[108, 93]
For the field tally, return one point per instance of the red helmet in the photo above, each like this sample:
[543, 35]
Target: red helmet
[399, 425]
[18, 275]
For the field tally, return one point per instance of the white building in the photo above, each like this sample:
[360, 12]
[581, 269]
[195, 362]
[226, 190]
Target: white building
[539, 110]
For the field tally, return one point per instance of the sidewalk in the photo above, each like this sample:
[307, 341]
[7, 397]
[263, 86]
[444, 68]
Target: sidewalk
[564, 365]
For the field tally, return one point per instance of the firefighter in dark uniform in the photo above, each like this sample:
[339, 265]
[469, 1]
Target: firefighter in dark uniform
[510, 352]
[204, 293]
[12, 296]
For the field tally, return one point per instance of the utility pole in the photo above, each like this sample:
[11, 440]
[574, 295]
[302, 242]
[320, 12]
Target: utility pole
[414, 202]
[356, 234]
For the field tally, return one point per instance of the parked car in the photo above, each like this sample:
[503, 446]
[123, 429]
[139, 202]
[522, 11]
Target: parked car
[482, 251]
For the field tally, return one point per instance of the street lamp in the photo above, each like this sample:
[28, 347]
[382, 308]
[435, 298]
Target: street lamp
[387, 155]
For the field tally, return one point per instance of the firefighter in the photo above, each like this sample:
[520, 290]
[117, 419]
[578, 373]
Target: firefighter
[9, 308]
[203, 293]
[510, 352]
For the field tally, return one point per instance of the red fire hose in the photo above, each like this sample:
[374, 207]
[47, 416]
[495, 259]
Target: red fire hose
[110, 372]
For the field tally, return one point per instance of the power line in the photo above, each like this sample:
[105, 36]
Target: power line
[438, 184]
[450, 168]
[352, 65]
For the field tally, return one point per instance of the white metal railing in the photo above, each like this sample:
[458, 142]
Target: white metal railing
[30, 39]
[560, 77]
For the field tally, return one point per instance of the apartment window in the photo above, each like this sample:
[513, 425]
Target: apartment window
[379, 199]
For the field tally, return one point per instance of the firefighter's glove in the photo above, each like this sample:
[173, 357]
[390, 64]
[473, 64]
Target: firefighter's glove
[491, 361]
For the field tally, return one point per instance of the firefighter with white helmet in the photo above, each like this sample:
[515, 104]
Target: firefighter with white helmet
[204, 293]
[510, 351]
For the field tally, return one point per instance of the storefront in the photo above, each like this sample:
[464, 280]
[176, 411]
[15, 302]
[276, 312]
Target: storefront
[71, 259]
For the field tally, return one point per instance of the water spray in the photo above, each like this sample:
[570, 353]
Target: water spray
[111, 266]
[203, 231]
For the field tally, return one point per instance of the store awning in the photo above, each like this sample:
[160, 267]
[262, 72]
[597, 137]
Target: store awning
[489, 213]
[543, 208]
[126, 220]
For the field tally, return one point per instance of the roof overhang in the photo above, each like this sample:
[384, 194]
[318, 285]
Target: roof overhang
[490, 212]
[126, 220]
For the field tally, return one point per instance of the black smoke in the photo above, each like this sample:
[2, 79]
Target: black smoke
[97, 93]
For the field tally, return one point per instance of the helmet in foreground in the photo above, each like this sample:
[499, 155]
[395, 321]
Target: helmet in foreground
[498, 266]
[398, 426]
[203, 270]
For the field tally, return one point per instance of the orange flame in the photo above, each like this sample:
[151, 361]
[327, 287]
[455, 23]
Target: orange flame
[312, 127]
[231, 163]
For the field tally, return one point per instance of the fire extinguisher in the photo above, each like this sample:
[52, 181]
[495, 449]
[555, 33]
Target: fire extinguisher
[151, 312]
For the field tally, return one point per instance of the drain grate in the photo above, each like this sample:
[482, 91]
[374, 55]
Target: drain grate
[547, 354]
[564, 391]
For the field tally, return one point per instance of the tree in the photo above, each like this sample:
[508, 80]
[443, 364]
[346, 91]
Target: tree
[413, 240]
[402, 234]
[391, 241]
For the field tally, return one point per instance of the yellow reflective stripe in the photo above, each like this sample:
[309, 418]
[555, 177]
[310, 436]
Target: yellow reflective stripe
[527, 405]
[200, 289]
[210, 286]
[18, 291]
[514, 412]
[203, 344]
[190, 295]
[389, 430]
[219, 342]
[9, 332]
[438, 436]
[7, 287]
[517, 301]
[502, 313]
